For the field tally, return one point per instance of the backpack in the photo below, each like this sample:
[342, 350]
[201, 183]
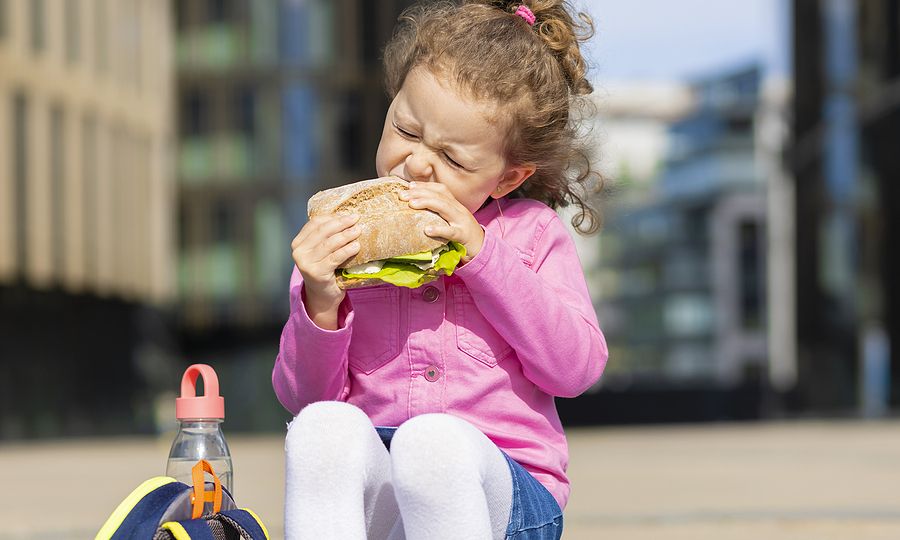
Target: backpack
[162, 508]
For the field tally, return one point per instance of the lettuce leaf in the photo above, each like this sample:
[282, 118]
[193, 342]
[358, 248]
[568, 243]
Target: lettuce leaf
[408, 275]
[448, 260]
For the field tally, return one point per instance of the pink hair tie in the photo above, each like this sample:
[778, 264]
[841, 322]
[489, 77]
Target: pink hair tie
[525, 13]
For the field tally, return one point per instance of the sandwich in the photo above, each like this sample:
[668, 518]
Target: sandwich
[393, 246]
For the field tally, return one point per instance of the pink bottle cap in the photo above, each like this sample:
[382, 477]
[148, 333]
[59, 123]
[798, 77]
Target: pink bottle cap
[191, 406]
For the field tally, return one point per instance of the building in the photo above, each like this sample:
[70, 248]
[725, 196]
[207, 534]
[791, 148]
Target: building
[628, 133]
[844, 157]
[276, 100]
[682, 269]
[86, 213]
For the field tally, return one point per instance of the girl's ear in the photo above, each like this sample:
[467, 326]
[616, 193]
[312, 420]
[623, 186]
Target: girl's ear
[513, 178]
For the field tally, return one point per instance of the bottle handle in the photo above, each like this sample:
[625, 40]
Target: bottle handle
[189, 381]
[190, 405]
[200, 496]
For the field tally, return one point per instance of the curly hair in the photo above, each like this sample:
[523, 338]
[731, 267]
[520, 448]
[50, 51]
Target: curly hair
[536, 75]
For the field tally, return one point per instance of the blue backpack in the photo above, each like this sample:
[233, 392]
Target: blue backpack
[162, 508]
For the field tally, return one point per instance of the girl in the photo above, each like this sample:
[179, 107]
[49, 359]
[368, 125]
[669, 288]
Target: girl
[459, 375]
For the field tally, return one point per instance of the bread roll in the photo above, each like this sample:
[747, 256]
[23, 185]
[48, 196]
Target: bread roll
[389, 227]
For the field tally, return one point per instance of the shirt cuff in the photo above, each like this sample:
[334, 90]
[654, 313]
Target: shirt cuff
[478, 262]
[344, 318]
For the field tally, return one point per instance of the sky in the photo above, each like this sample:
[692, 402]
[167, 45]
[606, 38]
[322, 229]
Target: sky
[684, 39]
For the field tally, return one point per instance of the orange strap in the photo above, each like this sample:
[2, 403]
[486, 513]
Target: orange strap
[200, 496]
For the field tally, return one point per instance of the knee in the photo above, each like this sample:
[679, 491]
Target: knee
[326, 425]
[432, 448]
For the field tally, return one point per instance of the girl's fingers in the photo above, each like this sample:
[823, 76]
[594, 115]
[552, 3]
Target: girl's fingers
[338, 256]
[457, 217]
[444, 232]
[321, 227]
[305, 231]
[337, 241]
[447, 209]
[461, 224]
[318, 241]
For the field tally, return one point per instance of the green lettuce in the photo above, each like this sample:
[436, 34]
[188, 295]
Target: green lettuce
[396, 272]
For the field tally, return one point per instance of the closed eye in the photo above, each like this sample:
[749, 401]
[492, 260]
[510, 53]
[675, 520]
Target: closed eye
[452, 162]
[404, 133]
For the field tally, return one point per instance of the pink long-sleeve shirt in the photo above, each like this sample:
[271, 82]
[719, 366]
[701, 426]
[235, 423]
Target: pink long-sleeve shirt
[492, 344]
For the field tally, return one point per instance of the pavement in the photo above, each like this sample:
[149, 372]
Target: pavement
[774, 480]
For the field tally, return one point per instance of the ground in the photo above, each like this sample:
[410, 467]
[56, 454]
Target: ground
[780, 480]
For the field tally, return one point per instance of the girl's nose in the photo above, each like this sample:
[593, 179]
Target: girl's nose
[417, 167]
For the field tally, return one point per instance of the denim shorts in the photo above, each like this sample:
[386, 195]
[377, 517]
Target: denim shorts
[535, 514]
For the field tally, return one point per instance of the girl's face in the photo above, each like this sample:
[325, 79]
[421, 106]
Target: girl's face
[432, 133]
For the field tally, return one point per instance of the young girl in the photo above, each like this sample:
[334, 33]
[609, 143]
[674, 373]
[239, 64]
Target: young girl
[429, 412]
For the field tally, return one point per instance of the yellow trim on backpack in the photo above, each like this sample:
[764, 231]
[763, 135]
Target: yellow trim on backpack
[261, 525]
[177, 530]
[118, 516]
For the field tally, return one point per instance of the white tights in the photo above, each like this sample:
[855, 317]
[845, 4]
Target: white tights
[443, 478]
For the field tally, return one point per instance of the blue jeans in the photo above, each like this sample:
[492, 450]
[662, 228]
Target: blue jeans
[535, 514]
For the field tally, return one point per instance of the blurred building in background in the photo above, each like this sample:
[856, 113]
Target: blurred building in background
[681, 273]
[845, 156]
[629, 138]
[276, 100]
[156, 158]
[86, 213]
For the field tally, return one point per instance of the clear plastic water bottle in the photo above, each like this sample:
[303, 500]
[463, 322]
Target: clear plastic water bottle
[200, 429]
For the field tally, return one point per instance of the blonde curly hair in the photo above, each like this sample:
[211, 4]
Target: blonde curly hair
[536, 75]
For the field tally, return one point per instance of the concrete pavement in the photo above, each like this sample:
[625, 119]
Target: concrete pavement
[785, 480]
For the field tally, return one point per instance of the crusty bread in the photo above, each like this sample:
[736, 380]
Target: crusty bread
[389, 227]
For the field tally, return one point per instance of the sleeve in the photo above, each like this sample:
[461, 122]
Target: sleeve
[544, 312]
[312, 363]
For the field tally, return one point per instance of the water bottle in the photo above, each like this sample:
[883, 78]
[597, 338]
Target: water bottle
[200, 429]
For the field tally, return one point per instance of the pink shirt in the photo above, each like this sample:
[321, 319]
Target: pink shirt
[492, 344]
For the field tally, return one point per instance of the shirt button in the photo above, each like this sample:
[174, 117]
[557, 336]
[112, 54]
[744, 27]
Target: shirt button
[430, 294]
[432, 373]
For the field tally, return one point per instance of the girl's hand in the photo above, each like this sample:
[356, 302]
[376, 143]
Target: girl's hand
[462, 226]
[318, 249]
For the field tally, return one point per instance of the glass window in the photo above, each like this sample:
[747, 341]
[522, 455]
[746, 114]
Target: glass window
[751, 272]
[245, 111]
[218, 11]
[57, 183]
[223, 223]
[194, 114]
[36, 14]
[224, 253]
[268, 242]
[306, 32]
[20, 174]
[263, 32]
[73, 31]
[302, 136]
[184, 221]
[293, 21]
[195, 159]
[688, 315]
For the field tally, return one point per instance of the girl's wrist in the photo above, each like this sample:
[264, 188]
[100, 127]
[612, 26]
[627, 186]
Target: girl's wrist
[323, 311]
[473, 247]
